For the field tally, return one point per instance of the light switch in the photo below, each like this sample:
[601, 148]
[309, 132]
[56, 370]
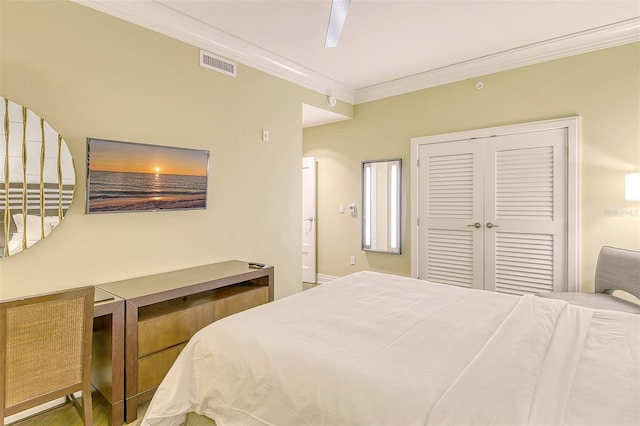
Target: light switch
[341, 207]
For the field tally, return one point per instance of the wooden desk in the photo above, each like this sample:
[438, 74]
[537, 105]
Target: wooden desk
[163, 311]
[107, 355]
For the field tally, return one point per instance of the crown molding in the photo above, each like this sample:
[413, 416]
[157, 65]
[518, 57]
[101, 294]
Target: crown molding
[574, 44]
[157, 17]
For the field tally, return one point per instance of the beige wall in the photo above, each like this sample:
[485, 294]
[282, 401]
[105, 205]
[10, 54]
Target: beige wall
[91, 75]
[602, 87]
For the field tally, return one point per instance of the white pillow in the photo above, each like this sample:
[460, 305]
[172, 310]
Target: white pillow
[34, 226]
[15, 243]
[52, 222]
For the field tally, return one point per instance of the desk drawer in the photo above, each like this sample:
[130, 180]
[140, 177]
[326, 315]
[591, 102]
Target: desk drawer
[169, 329]
[242, 301]
[153, 368]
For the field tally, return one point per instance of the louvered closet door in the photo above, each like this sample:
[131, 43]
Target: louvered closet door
[525, 181]
[450, 201]
[514, 188]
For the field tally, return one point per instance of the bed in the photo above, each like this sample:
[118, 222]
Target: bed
[377, 349]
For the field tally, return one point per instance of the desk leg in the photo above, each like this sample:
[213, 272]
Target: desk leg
[131, 362]
[107, 361]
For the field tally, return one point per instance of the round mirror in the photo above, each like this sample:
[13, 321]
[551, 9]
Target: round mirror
[37, 178]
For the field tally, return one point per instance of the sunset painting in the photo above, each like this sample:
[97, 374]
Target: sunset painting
[127, 177]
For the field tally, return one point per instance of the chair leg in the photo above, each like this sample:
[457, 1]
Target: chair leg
[87, 408]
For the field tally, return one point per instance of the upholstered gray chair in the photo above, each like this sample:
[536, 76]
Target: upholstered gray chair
[616, 269]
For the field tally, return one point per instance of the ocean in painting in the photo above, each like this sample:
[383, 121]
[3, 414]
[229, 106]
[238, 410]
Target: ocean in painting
[122, 192]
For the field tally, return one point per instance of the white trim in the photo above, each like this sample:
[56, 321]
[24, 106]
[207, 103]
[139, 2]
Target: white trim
[34, 411]
[164, 20]
[323, 279]
[572, 124]
[157, 17]
[573, 205]
[582, 42]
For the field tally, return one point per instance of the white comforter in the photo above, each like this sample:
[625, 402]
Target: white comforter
[375, 349]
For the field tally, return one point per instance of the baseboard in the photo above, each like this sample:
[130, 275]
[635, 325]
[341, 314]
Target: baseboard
[30, 412]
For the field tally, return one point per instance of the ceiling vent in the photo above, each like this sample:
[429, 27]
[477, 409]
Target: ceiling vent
[216, 63]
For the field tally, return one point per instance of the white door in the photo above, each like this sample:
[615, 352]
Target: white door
[525, 212]
[493, 212]
[451, 209]
[309, 219]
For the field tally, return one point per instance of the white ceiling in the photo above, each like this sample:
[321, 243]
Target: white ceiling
[387, 47]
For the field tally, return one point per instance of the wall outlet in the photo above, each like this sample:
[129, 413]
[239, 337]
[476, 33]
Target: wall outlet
[352, 260]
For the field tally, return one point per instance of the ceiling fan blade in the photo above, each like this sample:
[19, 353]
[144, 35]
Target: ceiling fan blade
[339, 9]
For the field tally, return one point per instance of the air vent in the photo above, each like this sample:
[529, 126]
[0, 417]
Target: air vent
[216, 63]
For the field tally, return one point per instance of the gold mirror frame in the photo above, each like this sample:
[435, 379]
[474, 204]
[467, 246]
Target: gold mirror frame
[37, 183]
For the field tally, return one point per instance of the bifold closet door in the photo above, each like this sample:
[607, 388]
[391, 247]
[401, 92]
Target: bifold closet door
[451, 177]
[492, 212]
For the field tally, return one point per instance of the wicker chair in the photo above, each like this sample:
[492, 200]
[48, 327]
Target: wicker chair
[45, 350]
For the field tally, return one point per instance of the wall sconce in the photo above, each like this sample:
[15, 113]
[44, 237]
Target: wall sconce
[632, 186]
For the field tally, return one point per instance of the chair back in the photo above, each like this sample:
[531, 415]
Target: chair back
[45, 348]
[618, 269]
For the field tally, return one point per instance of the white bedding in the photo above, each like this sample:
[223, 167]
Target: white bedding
[376, 349]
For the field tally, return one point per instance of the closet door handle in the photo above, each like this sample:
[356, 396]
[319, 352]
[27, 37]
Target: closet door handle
[491, 225]
[475, 225]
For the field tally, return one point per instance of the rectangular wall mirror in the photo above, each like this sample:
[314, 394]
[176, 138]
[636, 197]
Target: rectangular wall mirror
[381, 189]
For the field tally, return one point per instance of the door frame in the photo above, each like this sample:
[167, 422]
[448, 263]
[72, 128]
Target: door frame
[572, 124]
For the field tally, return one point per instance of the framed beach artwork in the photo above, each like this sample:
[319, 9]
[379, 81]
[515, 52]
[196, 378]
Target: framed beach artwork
[133, 177]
